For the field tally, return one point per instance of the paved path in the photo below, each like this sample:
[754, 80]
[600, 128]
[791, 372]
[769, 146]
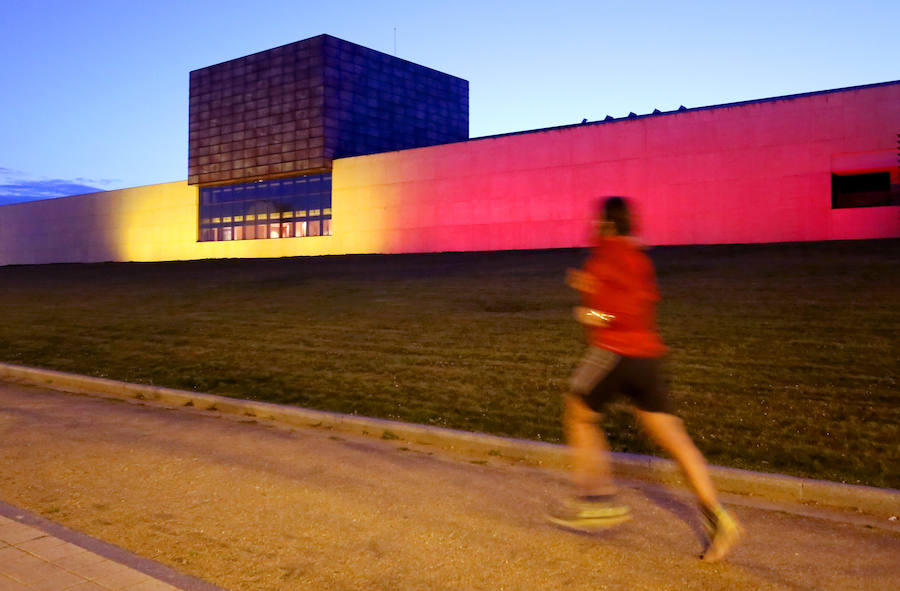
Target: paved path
[248, 505]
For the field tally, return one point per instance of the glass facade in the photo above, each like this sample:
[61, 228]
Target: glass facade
[281, 208]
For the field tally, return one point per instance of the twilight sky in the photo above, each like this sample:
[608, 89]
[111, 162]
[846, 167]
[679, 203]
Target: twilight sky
[94, 93]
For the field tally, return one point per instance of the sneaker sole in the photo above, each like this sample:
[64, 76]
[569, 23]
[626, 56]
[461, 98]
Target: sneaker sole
[589, 525]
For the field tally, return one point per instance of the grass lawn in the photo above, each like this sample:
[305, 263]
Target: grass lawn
[784, 357]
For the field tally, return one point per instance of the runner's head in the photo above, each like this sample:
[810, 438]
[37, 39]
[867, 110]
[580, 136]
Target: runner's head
[617, 214]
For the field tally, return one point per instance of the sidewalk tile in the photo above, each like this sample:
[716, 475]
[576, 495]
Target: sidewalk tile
[49, 548]
[15, 533]
[121, 578]
[152, 585]
[112, 574]
[52, 578]
[10, 554]
[88, 586]
[21, 566]
[78, 560]
[10, 585]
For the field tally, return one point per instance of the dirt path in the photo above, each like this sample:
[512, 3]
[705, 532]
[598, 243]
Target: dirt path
[248, 505]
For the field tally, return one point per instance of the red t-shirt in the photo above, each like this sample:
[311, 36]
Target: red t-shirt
[626, 288]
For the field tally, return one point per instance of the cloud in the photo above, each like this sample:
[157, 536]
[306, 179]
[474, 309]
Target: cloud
[17, 187]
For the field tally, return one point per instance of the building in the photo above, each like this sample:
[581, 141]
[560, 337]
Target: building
[326, 147]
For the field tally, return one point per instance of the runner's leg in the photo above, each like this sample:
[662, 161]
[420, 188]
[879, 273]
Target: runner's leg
[723, 529]
[668, 431]
[590, 451]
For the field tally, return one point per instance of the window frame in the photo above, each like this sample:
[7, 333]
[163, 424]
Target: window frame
[290, 204]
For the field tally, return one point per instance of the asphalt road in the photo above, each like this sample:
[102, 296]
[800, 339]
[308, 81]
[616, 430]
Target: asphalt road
[254, 505]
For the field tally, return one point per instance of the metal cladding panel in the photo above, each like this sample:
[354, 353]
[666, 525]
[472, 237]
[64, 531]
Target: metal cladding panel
[292, 109]
[379, 103]
[258, 116]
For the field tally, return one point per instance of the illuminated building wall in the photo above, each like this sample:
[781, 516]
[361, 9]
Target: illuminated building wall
[152, 223]
[761, 171]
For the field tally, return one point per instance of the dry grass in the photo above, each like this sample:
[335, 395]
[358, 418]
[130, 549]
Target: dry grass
[784, 357]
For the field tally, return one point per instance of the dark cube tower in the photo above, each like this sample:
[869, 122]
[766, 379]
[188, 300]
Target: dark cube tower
[291, 110]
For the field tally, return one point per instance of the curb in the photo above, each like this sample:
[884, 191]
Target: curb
[876, 502]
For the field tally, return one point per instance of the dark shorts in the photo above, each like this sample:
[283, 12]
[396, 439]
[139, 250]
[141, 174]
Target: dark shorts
[602, 375]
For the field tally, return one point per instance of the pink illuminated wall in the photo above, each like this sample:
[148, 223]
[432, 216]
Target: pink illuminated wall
[752, 172]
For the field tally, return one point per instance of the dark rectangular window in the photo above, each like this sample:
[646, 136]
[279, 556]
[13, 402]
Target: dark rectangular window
[871, 189]
[281, 208]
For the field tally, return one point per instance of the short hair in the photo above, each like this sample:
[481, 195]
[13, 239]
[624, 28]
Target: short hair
[617, 211]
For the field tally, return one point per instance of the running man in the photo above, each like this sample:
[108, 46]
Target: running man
[619, 295]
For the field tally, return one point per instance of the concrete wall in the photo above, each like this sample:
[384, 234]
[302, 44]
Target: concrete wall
[144, 223]
[757, 172]
[152, 223]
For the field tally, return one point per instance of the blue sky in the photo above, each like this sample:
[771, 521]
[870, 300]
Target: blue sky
[94, 93]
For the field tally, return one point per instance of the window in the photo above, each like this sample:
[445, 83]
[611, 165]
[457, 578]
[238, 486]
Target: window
[871, 189]
[281, 208]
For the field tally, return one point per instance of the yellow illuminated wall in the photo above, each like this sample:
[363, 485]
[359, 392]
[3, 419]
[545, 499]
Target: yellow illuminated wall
[159, 223]
[143, 223]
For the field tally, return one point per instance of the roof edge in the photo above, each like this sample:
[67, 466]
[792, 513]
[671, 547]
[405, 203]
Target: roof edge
[633, 116]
